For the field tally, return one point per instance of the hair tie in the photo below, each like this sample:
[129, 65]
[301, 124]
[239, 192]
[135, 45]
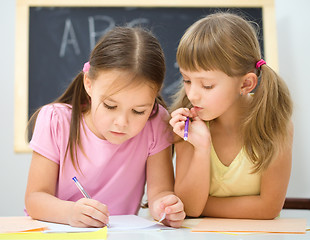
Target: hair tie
[86, 67]
[260, 63]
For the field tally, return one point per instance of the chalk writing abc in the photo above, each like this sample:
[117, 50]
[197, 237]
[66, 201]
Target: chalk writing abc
[69, 37]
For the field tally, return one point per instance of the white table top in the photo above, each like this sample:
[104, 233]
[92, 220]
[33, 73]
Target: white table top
[186, 234]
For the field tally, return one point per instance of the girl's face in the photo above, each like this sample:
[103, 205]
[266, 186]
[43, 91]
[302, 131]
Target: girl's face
[212, 93]
[120, 116]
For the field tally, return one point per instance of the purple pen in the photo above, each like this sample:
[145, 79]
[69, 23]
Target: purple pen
[186, 129]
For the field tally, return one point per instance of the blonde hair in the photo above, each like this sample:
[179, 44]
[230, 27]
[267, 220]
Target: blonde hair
[226, 42]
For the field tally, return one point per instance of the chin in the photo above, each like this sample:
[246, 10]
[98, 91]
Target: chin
[116, 141]
[204, 117]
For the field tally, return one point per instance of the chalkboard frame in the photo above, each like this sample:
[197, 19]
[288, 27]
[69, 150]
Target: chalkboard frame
[22, 42]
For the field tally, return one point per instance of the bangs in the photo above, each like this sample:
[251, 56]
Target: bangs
[193, 54]
[206, 46]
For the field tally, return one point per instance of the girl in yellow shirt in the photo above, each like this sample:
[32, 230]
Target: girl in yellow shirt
[238, 164]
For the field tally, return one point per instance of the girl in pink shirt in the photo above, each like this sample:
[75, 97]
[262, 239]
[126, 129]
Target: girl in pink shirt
[109, 129]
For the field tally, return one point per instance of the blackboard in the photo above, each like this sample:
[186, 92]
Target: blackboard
[60, 39]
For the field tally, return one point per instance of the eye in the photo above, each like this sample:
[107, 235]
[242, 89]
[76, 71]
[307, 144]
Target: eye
[208, 87]
[137, 112]
[186, 81]
[108, 106]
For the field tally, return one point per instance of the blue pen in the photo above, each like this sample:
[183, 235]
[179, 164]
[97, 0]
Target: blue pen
[80, 187]
[186, 129]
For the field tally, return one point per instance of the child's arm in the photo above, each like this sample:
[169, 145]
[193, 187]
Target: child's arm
[270, 201]
[42, 204]
[192, 162]
[160, 193]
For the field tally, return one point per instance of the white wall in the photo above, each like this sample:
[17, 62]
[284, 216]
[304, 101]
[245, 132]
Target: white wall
[13, 167]
[293, 29]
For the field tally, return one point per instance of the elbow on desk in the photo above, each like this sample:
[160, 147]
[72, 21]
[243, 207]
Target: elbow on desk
[270, 213]
[193, 212]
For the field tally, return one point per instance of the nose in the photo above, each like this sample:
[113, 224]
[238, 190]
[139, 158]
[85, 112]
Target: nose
[121, 121]
[193, 94]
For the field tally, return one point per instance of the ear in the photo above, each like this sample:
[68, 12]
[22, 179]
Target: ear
[249, 82]
[87, 85]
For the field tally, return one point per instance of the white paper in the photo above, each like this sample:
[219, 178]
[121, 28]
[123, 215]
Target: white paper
[117, 223]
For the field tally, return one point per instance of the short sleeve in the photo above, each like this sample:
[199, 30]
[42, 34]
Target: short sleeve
[161, 131]
[45, 136]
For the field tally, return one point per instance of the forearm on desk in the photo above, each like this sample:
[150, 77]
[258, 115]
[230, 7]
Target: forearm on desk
[248, 207]
[43, 206]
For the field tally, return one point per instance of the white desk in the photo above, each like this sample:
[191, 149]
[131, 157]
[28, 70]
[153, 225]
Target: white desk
[186, 234]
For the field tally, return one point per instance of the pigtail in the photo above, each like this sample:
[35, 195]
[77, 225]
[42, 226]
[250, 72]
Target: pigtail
[265, 128]
[76, 96]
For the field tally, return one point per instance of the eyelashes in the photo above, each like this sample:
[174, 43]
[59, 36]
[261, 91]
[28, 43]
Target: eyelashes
[109, 107]
[204, 86]
[137, 112]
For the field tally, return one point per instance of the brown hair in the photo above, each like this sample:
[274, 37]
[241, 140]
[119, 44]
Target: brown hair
[227, 42]
[134, 50]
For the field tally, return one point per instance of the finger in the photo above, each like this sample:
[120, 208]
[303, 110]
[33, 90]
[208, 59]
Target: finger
[178, 216]
[174, 209]
[193, 112]
[179, 126]
[169, 200]
[177, 118]
[94, 213]
[87, 221]
[99, 206]
[174, 224]
[181, 111]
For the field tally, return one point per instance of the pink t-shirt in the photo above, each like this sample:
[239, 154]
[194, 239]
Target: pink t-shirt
[113, 174]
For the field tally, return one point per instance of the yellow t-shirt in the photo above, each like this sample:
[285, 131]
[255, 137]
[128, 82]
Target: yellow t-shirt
[236, 179]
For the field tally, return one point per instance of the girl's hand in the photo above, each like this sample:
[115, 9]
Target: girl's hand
[174, 209]
[88, 213]
[198, 132]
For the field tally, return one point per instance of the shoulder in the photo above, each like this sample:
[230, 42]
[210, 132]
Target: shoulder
[157, 131]
[159, 122]
[162, 115]
[55, 111]
[53, 116]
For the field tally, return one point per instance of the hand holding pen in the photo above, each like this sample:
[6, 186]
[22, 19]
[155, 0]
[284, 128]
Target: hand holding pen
[188, 125]
[171, 211]
[87, 212]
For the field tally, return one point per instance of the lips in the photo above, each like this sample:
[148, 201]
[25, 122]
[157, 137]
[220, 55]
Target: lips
[118, 133]
[197, 109]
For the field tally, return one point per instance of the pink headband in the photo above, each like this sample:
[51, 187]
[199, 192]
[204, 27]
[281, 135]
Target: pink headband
[260, 63]
[86, 67]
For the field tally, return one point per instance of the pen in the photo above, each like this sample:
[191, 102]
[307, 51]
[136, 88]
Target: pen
[186, 129]
[77, 183]
[162, 218]
[80, 187]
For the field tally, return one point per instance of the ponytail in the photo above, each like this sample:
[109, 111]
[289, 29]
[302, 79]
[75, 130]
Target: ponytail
[76, 96]
[265, 127]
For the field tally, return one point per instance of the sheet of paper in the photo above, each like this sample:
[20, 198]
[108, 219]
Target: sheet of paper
[20, 224]
[280, 225]
[99, 234]
[117, 223]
